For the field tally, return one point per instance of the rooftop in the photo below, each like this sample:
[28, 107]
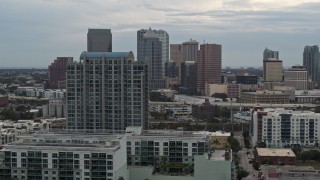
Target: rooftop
[109, 55]
[284, 152]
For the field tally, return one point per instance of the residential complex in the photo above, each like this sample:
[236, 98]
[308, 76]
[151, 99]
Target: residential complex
[132, 155]
[280, 127]
[99, 40]
[107, 91]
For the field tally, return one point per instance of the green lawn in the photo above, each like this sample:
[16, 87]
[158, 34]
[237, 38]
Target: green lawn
[315, 165]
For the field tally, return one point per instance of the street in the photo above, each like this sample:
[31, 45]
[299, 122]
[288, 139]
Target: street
[244, 160]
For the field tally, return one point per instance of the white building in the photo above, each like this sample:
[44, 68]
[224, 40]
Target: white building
[136, 154]
[280, 127]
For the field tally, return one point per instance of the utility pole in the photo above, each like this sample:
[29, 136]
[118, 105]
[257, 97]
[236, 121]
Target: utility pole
[231, 117]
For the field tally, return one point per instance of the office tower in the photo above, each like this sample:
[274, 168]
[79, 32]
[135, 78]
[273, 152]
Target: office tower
[188, 78]
[164, 39]
[149, 49]
[176, 53]
[171, 69]
[311, 60]
[99, 40]
[272, 70]
[107, 91]
[267, 53]
[176, 56]
[296, 77]
[57, 71]
[208, 66]
[190, 50]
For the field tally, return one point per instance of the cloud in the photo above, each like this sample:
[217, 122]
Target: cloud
[40, 30]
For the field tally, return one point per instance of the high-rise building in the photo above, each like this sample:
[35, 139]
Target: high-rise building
[57, 71]
[149, 49]
[164, 39]
[311, 60]
[176, 56]
[208, 66]
[188, 83]
[99, 40]
[272, 70]
[267, 53]
[190, 50]
[107, 91]
[296, 77]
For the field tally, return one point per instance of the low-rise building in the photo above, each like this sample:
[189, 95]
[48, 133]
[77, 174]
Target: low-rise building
[275, 156]
[134, 154]
[267, 97]
[219, 140]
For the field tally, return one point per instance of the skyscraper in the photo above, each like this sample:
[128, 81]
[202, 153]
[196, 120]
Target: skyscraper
[149, 49]
[164, 39]
[190, 50]
[99, 40]
[311, 60]
[107, 91]
[57, 71]
[176, 56]
[267, 53]
[189, 77]
[208, 66]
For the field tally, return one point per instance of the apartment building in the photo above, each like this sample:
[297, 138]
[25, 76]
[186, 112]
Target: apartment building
[280, 127]
[135, 153]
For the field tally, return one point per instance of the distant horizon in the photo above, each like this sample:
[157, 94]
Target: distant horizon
[243, 28]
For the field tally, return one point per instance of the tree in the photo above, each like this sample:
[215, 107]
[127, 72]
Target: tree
[245, 134]
[234, 144]
[120, 178]
[256, 165]
[242, 173]
[222, 96]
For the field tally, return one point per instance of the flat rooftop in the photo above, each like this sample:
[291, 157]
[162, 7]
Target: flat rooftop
[283, 152]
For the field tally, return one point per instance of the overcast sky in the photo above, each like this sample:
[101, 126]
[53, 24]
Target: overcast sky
[34, 32]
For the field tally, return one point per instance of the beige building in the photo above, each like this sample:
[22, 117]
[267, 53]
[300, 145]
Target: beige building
[268, 97]
[296, 77]
[215, 88]
[231, 90]
[272, 70]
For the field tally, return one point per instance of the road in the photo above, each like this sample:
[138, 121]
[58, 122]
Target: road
[244, 161]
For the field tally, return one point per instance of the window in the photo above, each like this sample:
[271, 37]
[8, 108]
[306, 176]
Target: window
[86, 156]
[76, 155]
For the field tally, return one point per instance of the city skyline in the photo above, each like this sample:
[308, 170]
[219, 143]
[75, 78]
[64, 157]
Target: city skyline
[38, 31]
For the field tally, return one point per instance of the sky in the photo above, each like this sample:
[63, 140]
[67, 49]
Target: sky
[34, 32]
